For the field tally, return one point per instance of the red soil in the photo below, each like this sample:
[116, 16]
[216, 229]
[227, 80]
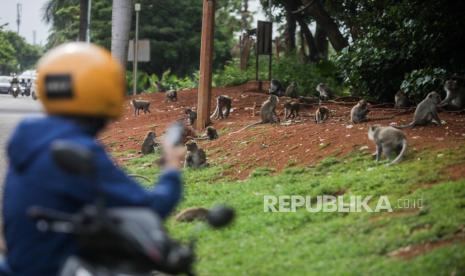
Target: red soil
[276, 146]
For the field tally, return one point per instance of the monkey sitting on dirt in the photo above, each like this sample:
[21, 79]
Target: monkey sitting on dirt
[149, 144]
[322, 114]
[291, 90]
[191, 116]
[455, 97]
[140, 105]
[267, 113]
[171, 96]
[401, 100]
[324, 91]
[388, 140]
[191, 214]
[276, 88]
[195, 156]
[223, 107]
[210, 134]
[359, 112]
[426, 111]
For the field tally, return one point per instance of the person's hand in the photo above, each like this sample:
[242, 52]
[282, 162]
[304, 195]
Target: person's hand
[173, 155]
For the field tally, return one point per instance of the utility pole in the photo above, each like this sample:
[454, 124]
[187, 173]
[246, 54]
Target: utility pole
[89, 9]
[19, 9]
[136, 50]
[34, 37]
[206, 60]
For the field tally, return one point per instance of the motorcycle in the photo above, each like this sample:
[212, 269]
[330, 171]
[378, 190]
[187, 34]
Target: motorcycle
[15, 89]
[143, 245]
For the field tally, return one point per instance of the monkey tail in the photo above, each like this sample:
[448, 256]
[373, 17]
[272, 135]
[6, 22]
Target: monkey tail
[401, 154]
[246, 127]
[216, 112]
[412, 124]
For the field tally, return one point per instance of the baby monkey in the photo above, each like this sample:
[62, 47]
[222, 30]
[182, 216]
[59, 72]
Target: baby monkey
[291, 110]
[195, 157]
[388, 140]
[321, 114]
[140, 105]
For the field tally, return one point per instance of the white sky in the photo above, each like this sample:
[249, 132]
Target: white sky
[31, 18]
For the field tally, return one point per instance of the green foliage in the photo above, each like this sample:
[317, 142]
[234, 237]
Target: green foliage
[397, 37]
[286, 70]
[420, 82]
[304, 243]
[15, 53]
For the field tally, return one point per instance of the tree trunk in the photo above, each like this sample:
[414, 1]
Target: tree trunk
[83, 7]
[317, 11]
[290, 32]
[120, 27]
[321, 42]
[313, 50]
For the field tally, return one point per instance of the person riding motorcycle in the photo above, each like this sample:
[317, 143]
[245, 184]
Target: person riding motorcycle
[14, 84]
[82, 89]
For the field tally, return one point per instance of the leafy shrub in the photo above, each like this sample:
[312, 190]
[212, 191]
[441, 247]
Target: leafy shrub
[286, 70]
[420, 82]
[404, 37]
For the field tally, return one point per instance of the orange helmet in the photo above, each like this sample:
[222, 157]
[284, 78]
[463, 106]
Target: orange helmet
[81, 79]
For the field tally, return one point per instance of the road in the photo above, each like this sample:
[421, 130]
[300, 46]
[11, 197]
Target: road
[11, 112]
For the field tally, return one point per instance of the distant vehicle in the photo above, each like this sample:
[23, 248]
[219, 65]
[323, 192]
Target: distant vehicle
[5, 84]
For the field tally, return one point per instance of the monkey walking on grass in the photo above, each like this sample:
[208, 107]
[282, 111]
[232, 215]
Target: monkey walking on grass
[140, 105]
[388, 140]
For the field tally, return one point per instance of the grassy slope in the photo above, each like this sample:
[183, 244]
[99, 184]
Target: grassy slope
[299, 243]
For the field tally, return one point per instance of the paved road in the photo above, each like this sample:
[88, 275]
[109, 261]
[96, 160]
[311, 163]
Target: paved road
[11, 112]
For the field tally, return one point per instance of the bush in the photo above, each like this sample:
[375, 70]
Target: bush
[420, 82]
[287, 69]
[407, 36]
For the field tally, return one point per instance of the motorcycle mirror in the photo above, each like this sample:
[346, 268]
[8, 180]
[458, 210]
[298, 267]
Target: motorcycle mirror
[72, 157]
[220, 216]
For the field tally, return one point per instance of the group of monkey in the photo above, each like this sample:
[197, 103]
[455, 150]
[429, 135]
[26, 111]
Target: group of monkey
[388, 139]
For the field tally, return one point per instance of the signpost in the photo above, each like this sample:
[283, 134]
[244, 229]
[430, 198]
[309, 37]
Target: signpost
[264, 45]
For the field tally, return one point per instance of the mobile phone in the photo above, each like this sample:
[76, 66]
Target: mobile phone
[174, 133]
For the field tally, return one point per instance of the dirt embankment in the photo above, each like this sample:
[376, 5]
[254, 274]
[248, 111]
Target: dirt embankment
[274, 146]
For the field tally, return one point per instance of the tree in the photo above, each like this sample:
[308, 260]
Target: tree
[120, 27]
[15, 53]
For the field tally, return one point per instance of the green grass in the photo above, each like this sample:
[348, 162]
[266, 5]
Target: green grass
[303, 243]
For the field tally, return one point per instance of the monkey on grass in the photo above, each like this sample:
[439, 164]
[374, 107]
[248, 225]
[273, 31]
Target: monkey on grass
[388, 140]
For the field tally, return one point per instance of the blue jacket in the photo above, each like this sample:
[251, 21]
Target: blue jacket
[33, 179]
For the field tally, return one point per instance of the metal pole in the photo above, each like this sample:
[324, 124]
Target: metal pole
[89, 8]
[135, 52]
